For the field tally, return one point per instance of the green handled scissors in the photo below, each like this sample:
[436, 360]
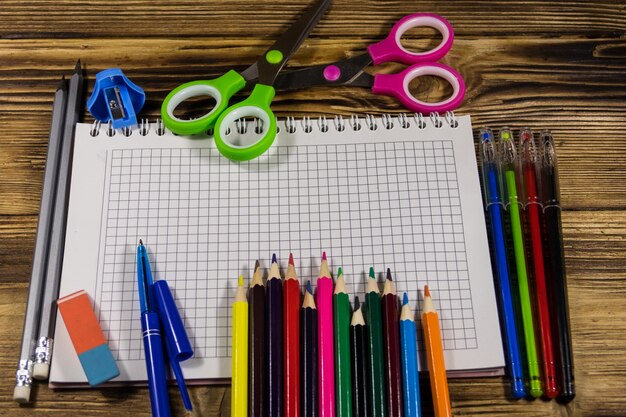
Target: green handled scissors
[262, 74]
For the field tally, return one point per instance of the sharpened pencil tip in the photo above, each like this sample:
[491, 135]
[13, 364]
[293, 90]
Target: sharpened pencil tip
[323, 256]
[339, 272]
[140, 242]
[257, 264]
[405, 299]
[308, 287]
[357, 303]
[291, 259]
[372, 273]
[274, 258]
[389, 274]
[426, 291]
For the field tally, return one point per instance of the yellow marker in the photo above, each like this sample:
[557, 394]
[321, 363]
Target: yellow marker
[239, 386]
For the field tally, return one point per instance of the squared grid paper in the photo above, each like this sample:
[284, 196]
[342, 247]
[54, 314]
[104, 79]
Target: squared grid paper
[205, 220]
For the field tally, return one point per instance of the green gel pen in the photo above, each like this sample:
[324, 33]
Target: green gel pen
[509, 158]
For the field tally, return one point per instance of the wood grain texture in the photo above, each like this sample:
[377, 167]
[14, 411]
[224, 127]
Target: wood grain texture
[558, 65]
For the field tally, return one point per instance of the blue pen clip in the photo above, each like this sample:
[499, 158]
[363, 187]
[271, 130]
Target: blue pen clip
[177, 343]
[115, 98]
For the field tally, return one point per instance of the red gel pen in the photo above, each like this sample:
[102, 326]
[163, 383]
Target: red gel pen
[532, 206]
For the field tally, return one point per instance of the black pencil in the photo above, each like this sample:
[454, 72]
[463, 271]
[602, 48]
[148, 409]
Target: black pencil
[256, 348]
[358, 341]
[308, 355]
[274, 341]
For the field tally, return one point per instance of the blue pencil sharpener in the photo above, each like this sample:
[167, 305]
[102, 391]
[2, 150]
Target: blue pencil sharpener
[116, 98]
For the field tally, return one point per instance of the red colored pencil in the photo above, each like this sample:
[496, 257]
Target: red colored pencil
[291, 292]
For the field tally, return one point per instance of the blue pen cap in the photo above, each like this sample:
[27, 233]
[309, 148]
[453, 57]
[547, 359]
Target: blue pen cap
[115, 98]
[176, 338]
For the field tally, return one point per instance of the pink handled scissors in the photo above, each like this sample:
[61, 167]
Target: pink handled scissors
[351, 71]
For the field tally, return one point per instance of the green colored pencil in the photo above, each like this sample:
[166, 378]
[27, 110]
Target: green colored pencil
[341, 318]
[375, 358]
[509, 181]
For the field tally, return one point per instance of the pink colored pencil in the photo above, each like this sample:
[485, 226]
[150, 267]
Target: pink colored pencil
[326, 354]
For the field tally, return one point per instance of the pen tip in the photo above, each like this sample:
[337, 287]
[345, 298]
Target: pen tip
[426, 291]
[372, 273]
[405, 299]
[274, 258]
[323, 256]
[308, 287]
[389, 274]
[357, 303]
[291, 259]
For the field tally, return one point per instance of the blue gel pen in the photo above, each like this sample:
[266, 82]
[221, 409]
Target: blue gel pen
[495, 205]
[152, 341]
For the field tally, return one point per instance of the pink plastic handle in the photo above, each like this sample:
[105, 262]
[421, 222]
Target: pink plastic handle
[397, 85]
[390, 49]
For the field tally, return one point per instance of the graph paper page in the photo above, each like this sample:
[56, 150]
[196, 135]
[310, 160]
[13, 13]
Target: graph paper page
[407, 199]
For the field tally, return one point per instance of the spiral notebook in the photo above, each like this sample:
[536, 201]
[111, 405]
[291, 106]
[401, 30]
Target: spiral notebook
[389, 192]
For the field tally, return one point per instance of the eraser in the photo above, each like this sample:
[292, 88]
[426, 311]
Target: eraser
[87, 337]
[41, 371]
[21, 394]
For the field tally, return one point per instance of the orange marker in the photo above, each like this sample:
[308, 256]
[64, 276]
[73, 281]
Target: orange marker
[434, 355]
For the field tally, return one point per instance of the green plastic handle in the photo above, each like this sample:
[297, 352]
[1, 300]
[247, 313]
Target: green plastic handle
[221, 89]
[256, 105]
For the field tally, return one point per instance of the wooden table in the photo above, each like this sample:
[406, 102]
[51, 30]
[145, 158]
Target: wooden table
[546, 65]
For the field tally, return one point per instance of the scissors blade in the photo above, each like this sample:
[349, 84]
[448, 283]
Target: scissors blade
[348, 71]
[286, 45]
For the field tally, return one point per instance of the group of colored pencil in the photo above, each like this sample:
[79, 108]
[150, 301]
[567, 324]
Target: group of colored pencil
[294, 356]
[527, 243]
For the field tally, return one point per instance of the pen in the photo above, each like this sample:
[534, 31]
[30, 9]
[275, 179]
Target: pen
[434, 357]
[239, 392]
[410, 375]
[23, 376]
[529, 165]
[557, 283]
[291, 293]
[494, 206]
[509, 182]
[152, 341]
[343, 383]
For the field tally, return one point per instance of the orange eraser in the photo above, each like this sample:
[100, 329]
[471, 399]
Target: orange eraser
[80, 321]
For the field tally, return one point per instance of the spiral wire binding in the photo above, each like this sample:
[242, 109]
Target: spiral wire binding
[356, 123]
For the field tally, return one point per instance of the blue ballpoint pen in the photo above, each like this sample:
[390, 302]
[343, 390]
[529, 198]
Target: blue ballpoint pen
[494, 205]
[152, 341]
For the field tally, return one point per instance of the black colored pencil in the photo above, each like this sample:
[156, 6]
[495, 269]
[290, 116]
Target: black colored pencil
[274, 341]
[256, 349]
[308, 355]
[358, 342]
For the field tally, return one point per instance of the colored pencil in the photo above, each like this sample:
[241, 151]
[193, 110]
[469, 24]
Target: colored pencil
[556, 268]
[325, 353]
[408, 347]
[239, 390]
[391, 351]
[358, 343]
[532, 206]
[291, 292]
[257, 399]
[308, 341]
[434, 355]
[274, 340]
[375, 358]
[343, 383]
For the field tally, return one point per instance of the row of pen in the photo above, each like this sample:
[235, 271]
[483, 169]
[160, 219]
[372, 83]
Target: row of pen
[317, 356]
[527, 244]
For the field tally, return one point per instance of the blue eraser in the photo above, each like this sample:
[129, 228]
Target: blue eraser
[99, 365]
[115, 98]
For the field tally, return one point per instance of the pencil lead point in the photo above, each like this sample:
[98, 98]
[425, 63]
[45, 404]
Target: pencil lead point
[240, 283]
[78, 66]
[372, 273]
[323, 256]
[257, 264]
[357, 303]
[389, 274]
[308, 287]
[140, 242]
[405, 299]
[274, 258]
[291, 259]
[426, 291]
[339, 272]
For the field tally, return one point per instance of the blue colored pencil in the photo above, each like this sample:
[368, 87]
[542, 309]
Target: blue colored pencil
[408, 359]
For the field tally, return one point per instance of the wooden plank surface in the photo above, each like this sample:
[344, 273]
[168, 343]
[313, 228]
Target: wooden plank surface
[558, 65]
